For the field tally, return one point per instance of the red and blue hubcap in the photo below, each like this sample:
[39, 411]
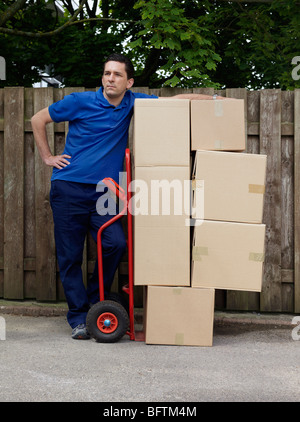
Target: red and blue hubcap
[107, 322]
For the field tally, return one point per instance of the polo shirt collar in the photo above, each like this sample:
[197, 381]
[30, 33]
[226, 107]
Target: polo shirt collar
[103, 101]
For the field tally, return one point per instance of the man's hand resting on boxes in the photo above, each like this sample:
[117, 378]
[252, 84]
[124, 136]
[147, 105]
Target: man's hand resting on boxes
[196, 97]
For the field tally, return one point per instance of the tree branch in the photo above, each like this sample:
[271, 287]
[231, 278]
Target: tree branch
[69, 6]
[39, 34]
[11, 11]
[16, 32]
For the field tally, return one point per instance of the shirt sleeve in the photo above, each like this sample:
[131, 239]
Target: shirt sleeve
[64, 110]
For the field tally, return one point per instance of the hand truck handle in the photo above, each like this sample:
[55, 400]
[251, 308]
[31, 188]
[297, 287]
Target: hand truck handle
[115, 188]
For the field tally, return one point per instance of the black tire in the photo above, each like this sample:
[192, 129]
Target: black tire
[107, 321]
[119, 298]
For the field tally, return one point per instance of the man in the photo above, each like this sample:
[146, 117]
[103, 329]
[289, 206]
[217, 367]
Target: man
[95, 147]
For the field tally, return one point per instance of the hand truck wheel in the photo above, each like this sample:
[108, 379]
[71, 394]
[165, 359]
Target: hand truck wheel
[107, 321]
[119, 298]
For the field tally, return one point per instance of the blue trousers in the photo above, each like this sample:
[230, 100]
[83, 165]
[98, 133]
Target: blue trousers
[75, 214]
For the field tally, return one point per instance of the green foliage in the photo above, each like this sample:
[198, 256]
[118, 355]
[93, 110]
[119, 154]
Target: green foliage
[82, 66]
[183, 44]
[24, 55]
[171, 42]
[257, 43]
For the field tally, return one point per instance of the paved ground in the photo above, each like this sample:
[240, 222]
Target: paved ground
[253, 358]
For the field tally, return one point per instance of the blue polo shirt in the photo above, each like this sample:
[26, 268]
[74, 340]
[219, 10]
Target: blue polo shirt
[97, 136]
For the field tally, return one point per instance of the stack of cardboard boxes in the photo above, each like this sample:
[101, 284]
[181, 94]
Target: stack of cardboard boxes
[196, 228]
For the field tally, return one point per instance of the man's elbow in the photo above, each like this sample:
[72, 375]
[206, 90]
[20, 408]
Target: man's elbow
[34, 120]
[41, 118]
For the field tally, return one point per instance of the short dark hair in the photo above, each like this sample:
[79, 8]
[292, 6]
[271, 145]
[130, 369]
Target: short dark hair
[116, 57]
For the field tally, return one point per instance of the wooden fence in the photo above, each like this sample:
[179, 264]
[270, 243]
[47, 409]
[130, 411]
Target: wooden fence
[28, 268]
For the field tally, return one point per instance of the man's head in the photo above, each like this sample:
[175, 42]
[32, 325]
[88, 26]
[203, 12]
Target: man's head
[117, 77]
[116, 57]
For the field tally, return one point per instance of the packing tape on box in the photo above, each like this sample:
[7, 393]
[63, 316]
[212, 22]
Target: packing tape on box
[177, 290]
[197, 184]
[256, 188]
[257, 256]
[179, 339]
[198, 251]
[218, 144]
[218, 108]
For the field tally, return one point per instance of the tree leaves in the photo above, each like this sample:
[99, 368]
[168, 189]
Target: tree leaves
[179, 34]
[171, 42]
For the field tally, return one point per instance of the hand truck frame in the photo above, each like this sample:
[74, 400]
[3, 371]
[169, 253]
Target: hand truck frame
[108, 320]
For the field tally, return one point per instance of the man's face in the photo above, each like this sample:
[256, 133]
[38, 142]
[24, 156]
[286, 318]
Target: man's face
[114, 80]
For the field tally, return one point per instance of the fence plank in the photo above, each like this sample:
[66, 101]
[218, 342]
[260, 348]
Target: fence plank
[253, 106]
[270, 141]
[204, 91]
[287, 198]
[240, 93]
[234, 299]
[297, 201]
[29, 201]
[45, 247]
[13, 192]
[170, 92]
[252, 147]
[287, 186]
[1, 193]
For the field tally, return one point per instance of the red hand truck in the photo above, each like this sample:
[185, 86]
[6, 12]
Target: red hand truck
[108, 320]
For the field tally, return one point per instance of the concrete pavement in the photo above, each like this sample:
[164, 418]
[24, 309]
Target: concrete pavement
[254, 358]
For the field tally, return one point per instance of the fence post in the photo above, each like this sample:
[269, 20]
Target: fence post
[1, 191]
[45, 246]
[297, 200]
[270, 144]
[13, 193]
[237, 300]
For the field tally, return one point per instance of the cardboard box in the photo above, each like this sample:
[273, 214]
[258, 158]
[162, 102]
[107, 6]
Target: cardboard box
[218, 125]
[161, 132]
[161, 256]
[179, 316]
[161, 165]
[228, 255]
[161, 235]
[229, 186]
[162, 196]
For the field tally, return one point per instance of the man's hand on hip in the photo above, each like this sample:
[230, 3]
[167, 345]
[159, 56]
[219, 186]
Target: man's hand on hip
[58, 161]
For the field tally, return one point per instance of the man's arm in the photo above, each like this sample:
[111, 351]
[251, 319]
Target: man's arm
[38, 123]
[195, 97]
